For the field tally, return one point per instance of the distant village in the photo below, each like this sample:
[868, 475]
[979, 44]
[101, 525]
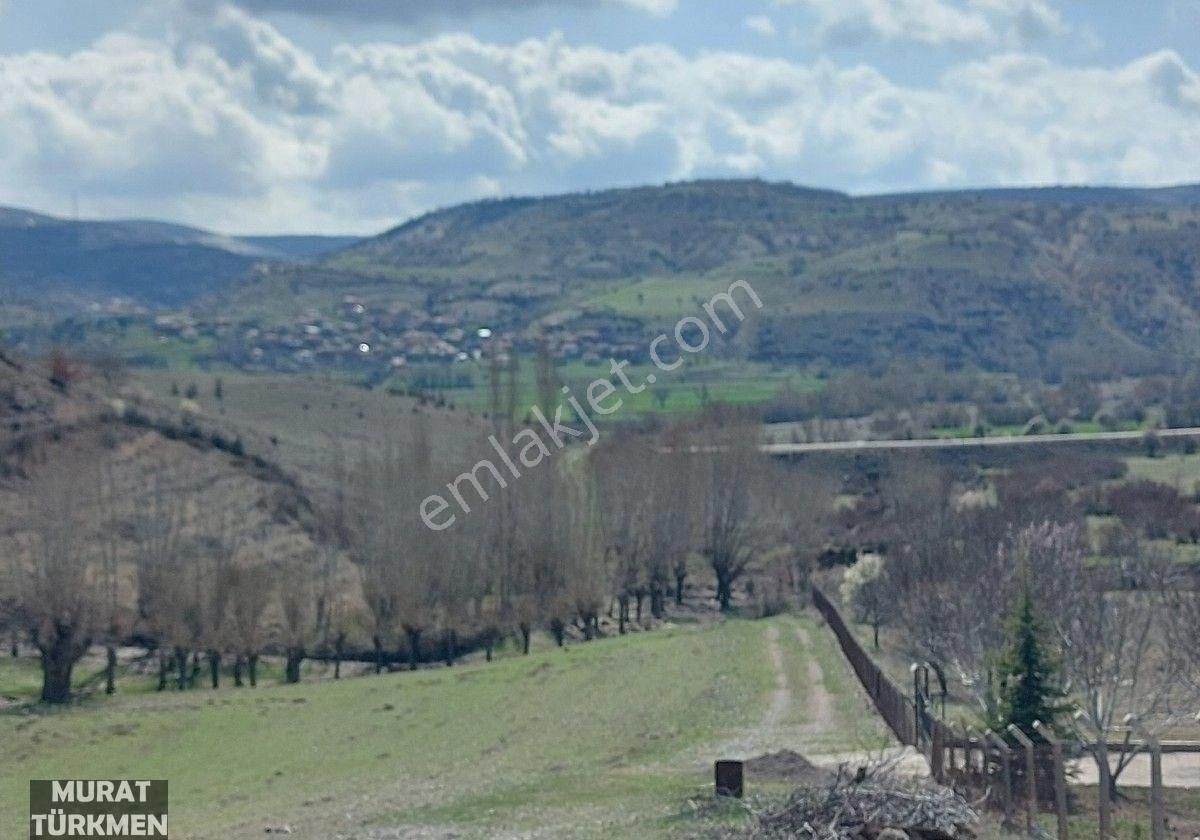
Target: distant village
[388, 338]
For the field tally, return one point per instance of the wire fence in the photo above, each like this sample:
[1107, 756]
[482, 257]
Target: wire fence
[1018, 774]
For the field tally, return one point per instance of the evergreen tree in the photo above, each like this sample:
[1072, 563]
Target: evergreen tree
[1028, 675]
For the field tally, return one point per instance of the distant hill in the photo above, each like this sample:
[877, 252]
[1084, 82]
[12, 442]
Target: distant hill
[47, 261]
[1037, 281]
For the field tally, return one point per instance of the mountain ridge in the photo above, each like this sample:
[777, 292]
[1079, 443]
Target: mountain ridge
[148, 262]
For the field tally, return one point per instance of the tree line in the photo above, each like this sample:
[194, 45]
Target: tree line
[597, 540]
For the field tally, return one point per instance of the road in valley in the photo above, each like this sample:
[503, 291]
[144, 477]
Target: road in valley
[784, 449]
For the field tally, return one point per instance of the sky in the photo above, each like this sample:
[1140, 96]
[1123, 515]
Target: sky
[350, 116]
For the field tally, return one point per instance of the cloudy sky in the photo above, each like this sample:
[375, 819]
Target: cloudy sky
[351, 115]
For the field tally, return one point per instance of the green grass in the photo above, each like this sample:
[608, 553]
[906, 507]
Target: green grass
[598, 740]
[1178, 470]
[1131, 814]
[681, 391]
[659, 297]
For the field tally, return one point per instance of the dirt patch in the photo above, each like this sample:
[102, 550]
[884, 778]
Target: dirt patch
[790, 766]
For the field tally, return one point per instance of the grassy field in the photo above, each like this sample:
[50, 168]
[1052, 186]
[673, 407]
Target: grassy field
[678, 392]
[1176, 469]
[606, 739]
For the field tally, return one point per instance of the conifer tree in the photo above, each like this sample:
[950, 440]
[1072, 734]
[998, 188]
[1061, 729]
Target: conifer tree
[1028, 674]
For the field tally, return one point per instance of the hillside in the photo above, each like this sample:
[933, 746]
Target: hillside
[1100, 281]
[115, 465]
[50, 262]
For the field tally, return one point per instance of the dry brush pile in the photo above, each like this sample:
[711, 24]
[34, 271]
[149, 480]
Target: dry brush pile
[875, 805]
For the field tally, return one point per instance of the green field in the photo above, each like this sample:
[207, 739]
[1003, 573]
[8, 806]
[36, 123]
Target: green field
[1178, 470]
[606, 739]
[691, 387]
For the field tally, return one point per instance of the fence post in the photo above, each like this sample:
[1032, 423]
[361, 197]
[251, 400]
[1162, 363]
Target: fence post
[1006, 771]
[953, 746]
[1158, 827]
[1060, 776]
[969, 760]
[937, 754]
[1158, 823]
[1105, 805]
[1030, 775]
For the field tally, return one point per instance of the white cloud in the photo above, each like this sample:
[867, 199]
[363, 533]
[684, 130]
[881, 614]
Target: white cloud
[407, 11]
[232, 125]
[931, 22]
[761, 25]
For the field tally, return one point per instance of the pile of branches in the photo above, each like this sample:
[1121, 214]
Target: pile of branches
[878, 807]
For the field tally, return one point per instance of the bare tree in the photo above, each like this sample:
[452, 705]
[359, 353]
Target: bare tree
[397, 554]
[1118, 653]
[158, 550]
[115, 620]
[58, 602]
[624, 480]
[218, 554]
[250, 588]
[866, 590]
[737, 500]
[296, 602]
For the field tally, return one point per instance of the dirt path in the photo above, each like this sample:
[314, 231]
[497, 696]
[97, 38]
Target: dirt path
[781, 697]
[820, 701]
[786, 726]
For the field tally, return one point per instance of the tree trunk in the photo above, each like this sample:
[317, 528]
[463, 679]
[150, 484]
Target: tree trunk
[214, 668]
[14, 646]
[196, 669]
[56, 676]
[724, 591]
[451, 649]
[291, 670]
[622, 613]
[164, 669]
[559, 631]
[414, 647]
[526, 632]
[339, 645]
[378, 643]
[252, 668]
[237, 671]
[488, 646]
[110, 669]
[59, 655]
[638, 598]
[680, 578]
[181, 668]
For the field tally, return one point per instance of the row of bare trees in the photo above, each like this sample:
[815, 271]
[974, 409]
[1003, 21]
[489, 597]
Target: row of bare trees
[611, 532]
[100, 559]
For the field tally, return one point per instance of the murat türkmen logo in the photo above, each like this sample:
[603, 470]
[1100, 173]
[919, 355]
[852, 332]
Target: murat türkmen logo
[110, 809]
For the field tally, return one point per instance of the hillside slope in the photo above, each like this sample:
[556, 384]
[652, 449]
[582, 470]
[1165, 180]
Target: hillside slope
[50, 261]
[113, 466]
[1035, 281]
